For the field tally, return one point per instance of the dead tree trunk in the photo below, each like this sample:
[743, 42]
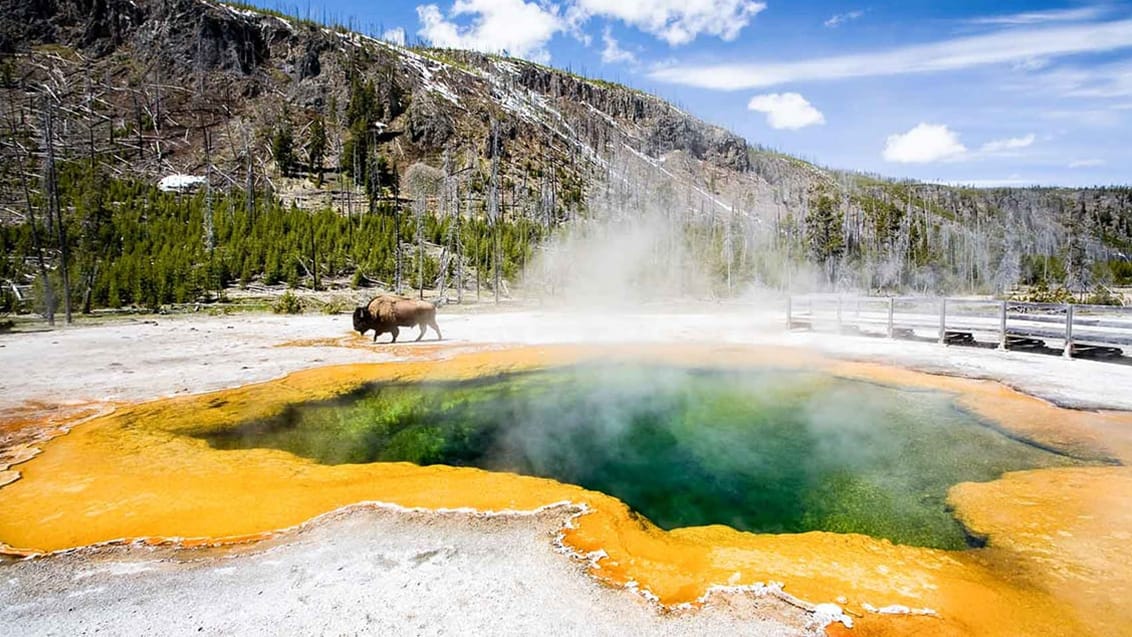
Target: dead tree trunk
[450, 208]
[48, 288]
[397, 253]
[418, 213]
[51, 186]
[493, 209]
[249, 186]
[314, 256]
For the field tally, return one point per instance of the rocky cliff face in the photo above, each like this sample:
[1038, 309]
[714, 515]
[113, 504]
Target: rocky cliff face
[199, 43]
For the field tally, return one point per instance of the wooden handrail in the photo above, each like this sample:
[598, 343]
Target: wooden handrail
[1076, 327]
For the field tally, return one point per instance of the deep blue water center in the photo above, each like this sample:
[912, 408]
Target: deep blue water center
[758, 450]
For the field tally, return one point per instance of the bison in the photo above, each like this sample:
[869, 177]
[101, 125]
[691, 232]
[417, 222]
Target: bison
[388, 312]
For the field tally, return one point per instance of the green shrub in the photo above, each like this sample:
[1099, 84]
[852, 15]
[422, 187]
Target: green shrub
[335, 306]
[1103, 296]
[1041, 293]
[287, 304]
[358, 280]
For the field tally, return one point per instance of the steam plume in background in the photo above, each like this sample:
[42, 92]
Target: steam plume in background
[677, 227]
[658, 230]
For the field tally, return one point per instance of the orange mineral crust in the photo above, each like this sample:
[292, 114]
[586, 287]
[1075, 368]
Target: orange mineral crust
[1057, 561]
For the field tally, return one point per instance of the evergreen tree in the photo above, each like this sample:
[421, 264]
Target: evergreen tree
[826, 242]
[282, 147]
[362, 113]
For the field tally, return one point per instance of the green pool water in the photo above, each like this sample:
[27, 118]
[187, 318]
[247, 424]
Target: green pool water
[765, 451]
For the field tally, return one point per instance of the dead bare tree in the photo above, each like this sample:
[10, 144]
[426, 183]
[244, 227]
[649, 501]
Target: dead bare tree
[22, 155]
[449, 208]
[422, 182]
[51, 188]
[493, 208]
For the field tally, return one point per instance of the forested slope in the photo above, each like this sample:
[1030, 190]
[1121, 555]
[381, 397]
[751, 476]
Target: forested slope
[320, 157]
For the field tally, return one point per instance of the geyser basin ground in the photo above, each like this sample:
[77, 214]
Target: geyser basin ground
[761, 450]
[1056, 562]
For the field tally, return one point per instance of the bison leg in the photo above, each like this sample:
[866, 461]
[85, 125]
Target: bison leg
[395, 331]
[423, 329]
[436, 329]
[376, 333]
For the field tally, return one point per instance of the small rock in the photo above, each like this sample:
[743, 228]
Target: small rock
[826, 614]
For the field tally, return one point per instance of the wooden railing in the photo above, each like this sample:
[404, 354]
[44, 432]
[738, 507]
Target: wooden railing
[1078, 330]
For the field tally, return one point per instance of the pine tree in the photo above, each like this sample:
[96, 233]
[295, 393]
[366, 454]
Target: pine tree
[362, 112]
[823, 225]
[282, 147]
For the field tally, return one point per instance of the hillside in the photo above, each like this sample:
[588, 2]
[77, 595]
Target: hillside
[322, 157]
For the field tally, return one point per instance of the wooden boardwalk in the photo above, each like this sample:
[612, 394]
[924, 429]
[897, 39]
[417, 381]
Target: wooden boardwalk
[1094, 331]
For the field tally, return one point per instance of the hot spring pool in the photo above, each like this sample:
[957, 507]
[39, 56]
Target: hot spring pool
[766, 451]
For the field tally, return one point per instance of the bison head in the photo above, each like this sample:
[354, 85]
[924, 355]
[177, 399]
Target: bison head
[361, 320]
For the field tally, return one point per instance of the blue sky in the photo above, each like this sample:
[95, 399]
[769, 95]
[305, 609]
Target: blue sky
[986, 93]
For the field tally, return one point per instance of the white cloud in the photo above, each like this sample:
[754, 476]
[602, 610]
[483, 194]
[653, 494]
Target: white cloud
[1086, 163]
[924, 144]
[1086, 117]
[1030, 64]
[523, 28]
[927, 143]
[396, 36]
[1039, 17]
[842, 18]
[1004, 145]
[1006, 182]
[1113, 80]
[613, 53]
[674, 21]
[786, 110]
[520, 28]
[1000, 47]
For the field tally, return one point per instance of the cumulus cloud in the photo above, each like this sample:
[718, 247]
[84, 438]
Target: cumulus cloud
[842, 18]
[1005, 46]
[612, 51]
[786, 110]
[675, 21]
[926, 143]
[396, 36]
[524, 28]
[1005, 145]
[513, 26]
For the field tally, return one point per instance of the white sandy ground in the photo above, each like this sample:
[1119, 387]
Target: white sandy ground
[360, 571]
[384, 573]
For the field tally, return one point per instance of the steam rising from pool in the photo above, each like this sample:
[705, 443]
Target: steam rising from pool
[757, 450]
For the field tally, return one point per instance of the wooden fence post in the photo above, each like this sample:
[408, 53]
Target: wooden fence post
[789, 312]
[943, 321]
[1068, 351]
[1002, 326]
[891, 310]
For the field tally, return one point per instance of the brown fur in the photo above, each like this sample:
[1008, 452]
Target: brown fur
[388, 312]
